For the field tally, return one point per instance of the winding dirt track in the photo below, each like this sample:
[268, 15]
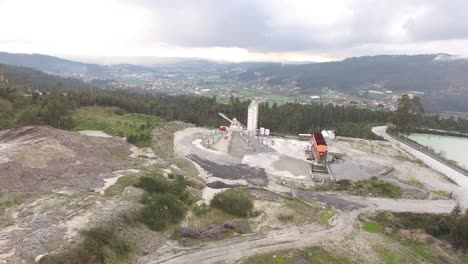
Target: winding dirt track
[349, 208]
[235, 249]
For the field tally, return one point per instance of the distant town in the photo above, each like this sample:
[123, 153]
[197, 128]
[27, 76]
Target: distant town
[223, 87]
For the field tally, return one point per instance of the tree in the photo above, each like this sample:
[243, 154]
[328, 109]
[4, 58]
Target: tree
[59, 108]
[408, 114]
[459, 233]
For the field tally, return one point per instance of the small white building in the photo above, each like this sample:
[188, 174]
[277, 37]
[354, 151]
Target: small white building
[328, 134]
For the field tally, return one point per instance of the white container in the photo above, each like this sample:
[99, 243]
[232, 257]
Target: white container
[267, 131]
[262, 131]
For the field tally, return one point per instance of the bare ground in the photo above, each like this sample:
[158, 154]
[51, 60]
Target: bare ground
[60, 178]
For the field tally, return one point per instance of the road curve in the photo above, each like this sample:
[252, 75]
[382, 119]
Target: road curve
[233, 250]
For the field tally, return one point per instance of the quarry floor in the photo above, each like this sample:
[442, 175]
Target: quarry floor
[270, 170]
[57, 181]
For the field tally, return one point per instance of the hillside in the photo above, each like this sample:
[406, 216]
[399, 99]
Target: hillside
[51, 64]
[26, 78]
[443, 79]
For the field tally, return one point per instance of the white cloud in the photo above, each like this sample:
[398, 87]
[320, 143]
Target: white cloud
[234, 30]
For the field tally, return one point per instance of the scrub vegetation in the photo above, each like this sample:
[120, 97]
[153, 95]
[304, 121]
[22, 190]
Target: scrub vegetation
[233, 201]
[165, 201]
[372, 187]
[99, 245]
[136, 128]
[452, 228]
[309, 255]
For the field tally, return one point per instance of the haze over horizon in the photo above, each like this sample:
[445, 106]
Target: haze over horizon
[255, 30]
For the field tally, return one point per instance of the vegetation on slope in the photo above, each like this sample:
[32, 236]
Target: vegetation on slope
[136, 128]
[56, 108]
[372, 187]
[308, 255]
[452, 228]
[100, 245]
[165, 201]
[233, 201]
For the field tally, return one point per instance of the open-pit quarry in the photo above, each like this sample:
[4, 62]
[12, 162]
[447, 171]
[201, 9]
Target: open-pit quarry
[58, 183]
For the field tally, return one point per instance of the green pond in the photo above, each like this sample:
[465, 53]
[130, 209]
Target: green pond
[452, 148]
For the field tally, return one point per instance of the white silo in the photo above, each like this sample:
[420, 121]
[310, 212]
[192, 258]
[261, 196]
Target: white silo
[262, 131]
[252, 118]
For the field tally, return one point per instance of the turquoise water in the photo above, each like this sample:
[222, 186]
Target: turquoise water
[452, 148]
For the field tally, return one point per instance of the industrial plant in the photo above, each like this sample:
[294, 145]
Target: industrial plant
[238, 139]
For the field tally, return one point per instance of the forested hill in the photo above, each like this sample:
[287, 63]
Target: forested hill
[31, 79]
[442, 77]
[51, 64]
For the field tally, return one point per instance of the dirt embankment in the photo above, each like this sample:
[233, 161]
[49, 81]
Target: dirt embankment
[36, 160]
[163, 147]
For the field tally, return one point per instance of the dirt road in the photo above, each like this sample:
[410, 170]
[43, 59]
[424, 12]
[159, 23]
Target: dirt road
[232, 250]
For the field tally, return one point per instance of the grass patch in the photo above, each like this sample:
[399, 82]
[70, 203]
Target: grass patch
[10, 199]
[299, 212]
[207, 216]
[136, 128]
[373, 228]
[122, 183]
[386, 254]
[451, 228]
[414, 182]
[100, 245]
[373, 187]
[441, 194]
[310, 255]
[423, 250]
[436, 225]
[233, 201]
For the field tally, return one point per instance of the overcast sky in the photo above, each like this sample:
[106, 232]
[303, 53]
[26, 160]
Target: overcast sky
[238, 30]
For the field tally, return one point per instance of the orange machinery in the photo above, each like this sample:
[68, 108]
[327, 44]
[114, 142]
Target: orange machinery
[319, 147]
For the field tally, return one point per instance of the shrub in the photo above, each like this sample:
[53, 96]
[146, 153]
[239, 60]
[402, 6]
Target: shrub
[100, 245]
[343, 185]
[200, 210]
[164, 200]
[459, 232]
[162, 210]
[285, 217]
[155, 183]
[159, 184]
[233, 201]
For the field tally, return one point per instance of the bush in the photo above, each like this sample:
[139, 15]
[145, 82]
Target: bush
[233, 201]
[161, 210]
[459, 232]
[100, 245]
[154, 183]
[159, 184]
[377, 187]
[164, 200]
